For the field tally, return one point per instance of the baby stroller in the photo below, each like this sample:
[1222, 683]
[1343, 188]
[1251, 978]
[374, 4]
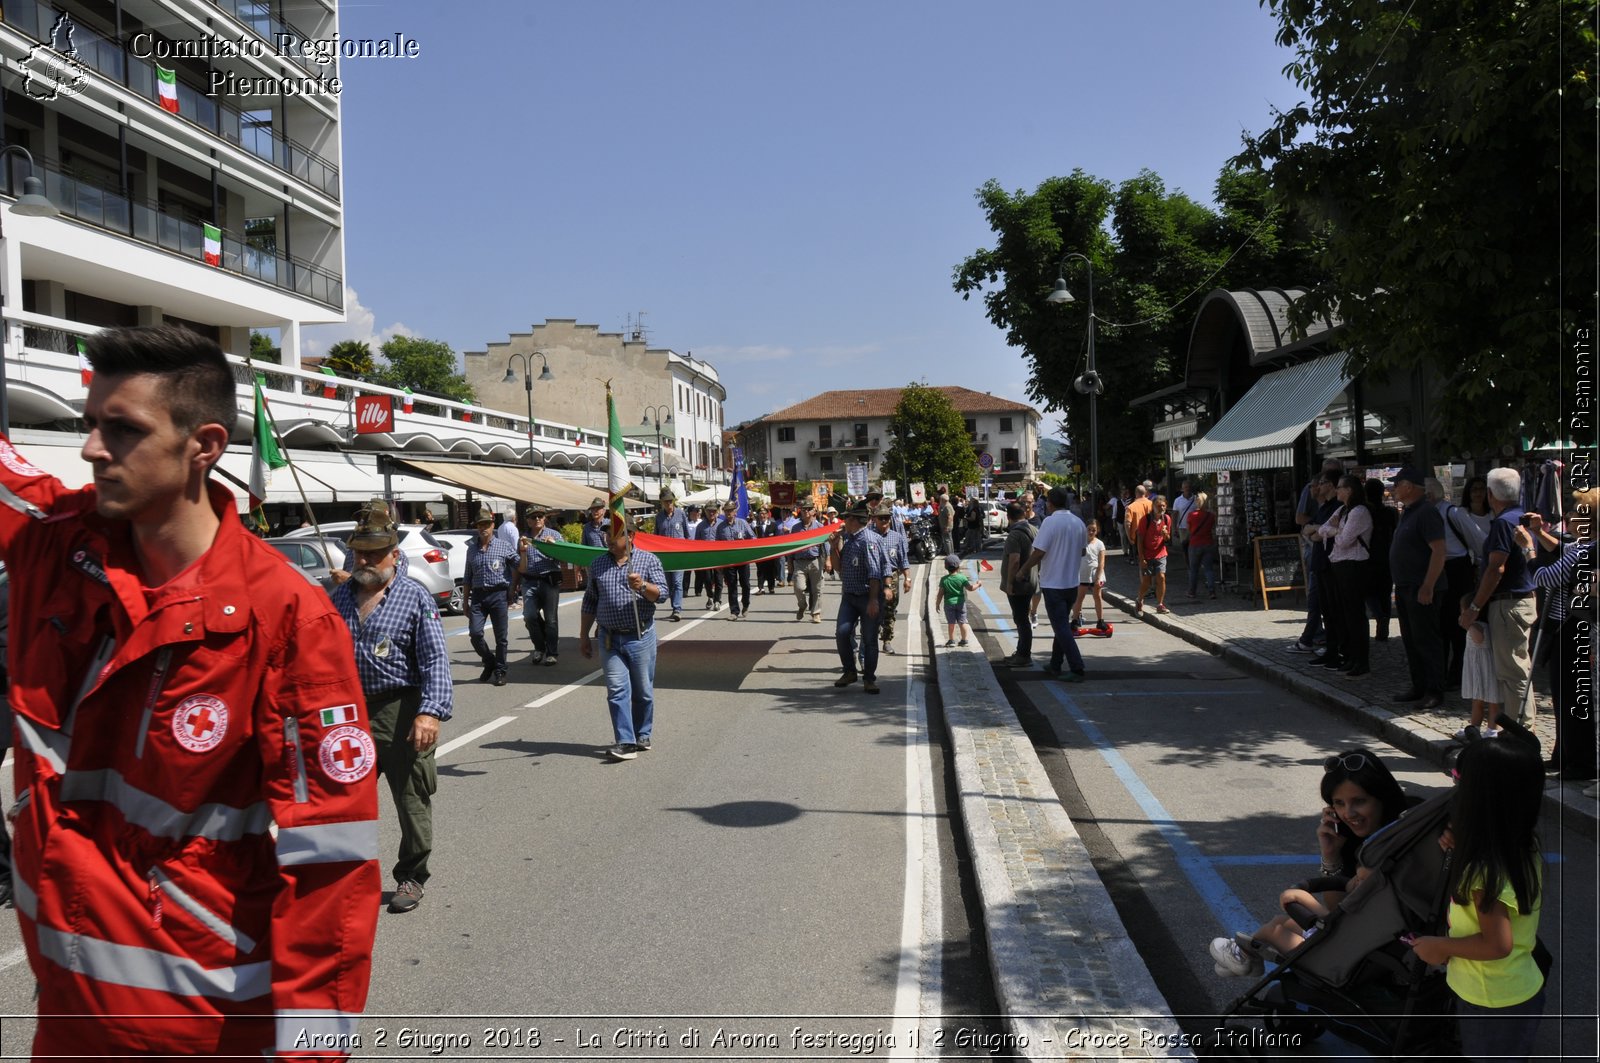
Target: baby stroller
[1354, 974]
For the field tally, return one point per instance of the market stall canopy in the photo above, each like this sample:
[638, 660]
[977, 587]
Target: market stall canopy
[719, 495]
[1260, 430]
[510, 481]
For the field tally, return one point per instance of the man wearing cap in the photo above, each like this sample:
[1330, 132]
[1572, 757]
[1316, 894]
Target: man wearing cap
[806, 567]
[863, 570]
[405, 676]
[1416, 560]
[595, 532]
[898, 553]
[735, 528]
[707, 533]
[672, 524]
[624, 586]
[541, 587]
[491, 572]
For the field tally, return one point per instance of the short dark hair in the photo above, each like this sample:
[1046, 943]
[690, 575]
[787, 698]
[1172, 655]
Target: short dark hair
[199, 382]
[1014, 510]
[1058, 497]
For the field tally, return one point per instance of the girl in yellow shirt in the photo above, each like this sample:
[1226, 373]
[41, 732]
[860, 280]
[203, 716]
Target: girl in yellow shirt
[1494, 900]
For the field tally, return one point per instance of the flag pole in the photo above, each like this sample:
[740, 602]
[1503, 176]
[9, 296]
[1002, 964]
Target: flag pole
[272, 423]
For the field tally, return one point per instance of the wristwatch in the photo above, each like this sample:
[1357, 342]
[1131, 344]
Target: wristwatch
[1475, 607]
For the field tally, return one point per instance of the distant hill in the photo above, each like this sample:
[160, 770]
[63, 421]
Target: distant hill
[1051, 456]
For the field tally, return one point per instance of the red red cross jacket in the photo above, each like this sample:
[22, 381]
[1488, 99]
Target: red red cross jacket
[158, 742]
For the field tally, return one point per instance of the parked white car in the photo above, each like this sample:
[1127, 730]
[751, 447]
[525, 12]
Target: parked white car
[427, 559]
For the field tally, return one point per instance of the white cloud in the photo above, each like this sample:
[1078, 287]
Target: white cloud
[358, 325]
[742, 355]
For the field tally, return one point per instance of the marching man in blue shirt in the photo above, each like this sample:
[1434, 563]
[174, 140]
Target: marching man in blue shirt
[624, 586]
[405, 675]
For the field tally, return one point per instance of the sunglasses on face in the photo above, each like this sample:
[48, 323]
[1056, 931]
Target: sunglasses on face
[1347, 761]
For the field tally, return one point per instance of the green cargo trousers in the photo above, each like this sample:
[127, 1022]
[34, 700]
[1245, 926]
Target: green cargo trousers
[412, 779]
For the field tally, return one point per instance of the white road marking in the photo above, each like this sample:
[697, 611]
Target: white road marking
[919, 977]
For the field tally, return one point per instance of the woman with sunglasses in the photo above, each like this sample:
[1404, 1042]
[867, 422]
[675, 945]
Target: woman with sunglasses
[1359, 796]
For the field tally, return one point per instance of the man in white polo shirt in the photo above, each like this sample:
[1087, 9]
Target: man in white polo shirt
[1058, 551]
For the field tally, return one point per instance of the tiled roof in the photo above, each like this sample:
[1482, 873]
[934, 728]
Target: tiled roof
[880, 402]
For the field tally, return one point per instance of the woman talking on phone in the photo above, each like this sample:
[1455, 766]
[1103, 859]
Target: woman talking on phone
[1359, 796]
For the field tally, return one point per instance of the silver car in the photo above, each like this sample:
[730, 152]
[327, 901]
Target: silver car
[427, 559]
[309, 556]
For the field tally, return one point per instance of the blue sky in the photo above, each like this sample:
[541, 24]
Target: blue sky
[783, 189]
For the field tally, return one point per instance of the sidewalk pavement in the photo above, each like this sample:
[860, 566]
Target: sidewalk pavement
[1235, 627]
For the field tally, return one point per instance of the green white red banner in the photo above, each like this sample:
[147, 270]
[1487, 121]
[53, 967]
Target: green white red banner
[684, 555]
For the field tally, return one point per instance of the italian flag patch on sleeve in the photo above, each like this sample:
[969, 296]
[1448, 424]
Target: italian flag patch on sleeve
[338, 714]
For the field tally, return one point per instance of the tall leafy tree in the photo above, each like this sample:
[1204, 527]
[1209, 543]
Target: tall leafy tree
[426, 367]
[1450, 145]
[931, 442]
[351, 358]
[262, 349]
[1154, 254]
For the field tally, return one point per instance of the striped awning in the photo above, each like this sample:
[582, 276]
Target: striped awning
[1260, 430]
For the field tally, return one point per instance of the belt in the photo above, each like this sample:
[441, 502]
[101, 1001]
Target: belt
[491, 590]
[1505, 596]
[625, 632]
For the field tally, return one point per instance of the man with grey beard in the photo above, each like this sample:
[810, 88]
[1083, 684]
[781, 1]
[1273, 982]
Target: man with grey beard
[405, 675]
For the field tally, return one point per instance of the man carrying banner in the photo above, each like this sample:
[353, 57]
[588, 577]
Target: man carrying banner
[624, 586]
[541, 587]
[735, 528]
[898, 553]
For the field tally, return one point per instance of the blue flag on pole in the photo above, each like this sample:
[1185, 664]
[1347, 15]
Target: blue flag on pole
[737, 492]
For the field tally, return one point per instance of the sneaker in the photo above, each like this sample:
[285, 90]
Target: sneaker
[499, 678]
[1491, 732]
[1299, 647]
[845, 680]
[1076, 621]
[406, 896]
[1234, 962]
[799, 614]
[642, 744]
[1468, 733]
[949, 643]
[870, 686]
[536, 657]
[1162, 609]
[675, 617]
[963, 642]
[551, 661]
[1033, 621]
[487, 673]
[888, 650]
[816, 618]
[623, 751]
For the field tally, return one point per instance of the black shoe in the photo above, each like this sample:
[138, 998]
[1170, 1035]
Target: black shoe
[642, 745]
[499, 678]
[1432, 701]
[1410, 695]
[675, 617]
[406, 896]
[845, 680]
[487, 673]
[870, 686]
[623, 751]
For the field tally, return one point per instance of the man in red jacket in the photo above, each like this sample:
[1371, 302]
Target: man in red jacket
[178, 690]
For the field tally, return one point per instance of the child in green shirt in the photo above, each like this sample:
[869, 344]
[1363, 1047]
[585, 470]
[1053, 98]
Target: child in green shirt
[953, 588]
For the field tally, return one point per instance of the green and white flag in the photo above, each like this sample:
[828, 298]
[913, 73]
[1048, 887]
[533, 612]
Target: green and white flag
[617, 483]
[264, 454]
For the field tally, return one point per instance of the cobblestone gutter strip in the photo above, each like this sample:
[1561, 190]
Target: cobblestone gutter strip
[1068, 979]
[1412, 735]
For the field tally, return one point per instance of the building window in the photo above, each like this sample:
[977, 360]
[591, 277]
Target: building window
[972, 428]
[1008, 459]
[861, 435]
[786, 435]
[827, 463]
[824, 436]
[789, 470]
[1005, 424]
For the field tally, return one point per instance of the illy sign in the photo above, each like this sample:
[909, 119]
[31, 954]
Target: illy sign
[374, 413]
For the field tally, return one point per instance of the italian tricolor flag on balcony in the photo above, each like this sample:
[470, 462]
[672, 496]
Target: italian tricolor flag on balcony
[167, 88]
[84, 369]
[213, 245]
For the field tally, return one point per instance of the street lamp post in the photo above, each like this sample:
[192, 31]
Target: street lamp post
[653, 414]
[527, 384]
[31, 204]
[1089, 383]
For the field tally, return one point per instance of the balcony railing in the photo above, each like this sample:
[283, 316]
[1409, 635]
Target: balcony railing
[100, 53]
[149, 224]
[258, 16]
[858, 443]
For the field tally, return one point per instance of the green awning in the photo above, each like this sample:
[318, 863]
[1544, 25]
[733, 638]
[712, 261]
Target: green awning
[1260, 430]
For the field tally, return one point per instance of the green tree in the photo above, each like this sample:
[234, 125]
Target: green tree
[425, 366]
[1443, 141]
[351, 358]
[1154, 253]
[931, 442]
[262, 349]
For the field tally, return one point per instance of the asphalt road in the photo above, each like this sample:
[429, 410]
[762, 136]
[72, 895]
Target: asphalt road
[1196, 788]
[779, 867]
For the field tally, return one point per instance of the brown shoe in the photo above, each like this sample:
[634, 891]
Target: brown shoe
[406, 896]
[845, 680]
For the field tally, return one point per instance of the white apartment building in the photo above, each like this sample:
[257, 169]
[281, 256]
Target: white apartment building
[817, 438]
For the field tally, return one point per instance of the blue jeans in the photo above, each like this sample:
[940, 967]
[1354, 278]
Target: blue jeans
[1499, 1033]
[853, 611]
[1313, 627]
[1058, 606]
[1202, 559]
[629, 662]
[489, 605]
[675, 588]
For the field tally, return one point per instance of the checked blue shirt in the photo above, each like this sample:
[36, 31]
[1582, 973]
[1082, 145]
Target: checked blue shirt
[401, 644]
[897, 550]
[609, 599]
[675, 526]
[861, 558]
[490, 566]
[539, 562]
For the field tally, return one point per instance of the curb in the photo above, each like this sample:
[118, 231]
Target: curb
[1397, 729]
[1068, 979]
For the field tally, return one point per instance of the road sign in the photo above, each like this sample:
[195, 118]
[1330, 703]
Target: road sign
[986, 460]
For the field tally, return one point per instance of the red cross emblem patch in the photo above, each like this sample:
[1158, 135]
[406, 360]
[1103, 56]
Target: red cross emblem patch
[347, 754]
[200, 722]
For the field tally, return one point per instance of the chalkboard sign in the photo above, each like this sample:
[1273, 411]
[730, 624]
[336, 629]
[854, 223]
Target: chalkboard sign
[1279, 565]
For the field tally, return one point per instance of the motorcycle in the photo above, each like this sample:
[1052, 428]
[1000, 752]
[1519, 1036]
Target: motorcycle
[922, 539]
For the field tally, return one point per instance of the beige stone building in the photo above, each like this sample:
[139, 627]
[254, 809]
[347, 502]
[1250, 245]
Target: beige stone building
[581, 359]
